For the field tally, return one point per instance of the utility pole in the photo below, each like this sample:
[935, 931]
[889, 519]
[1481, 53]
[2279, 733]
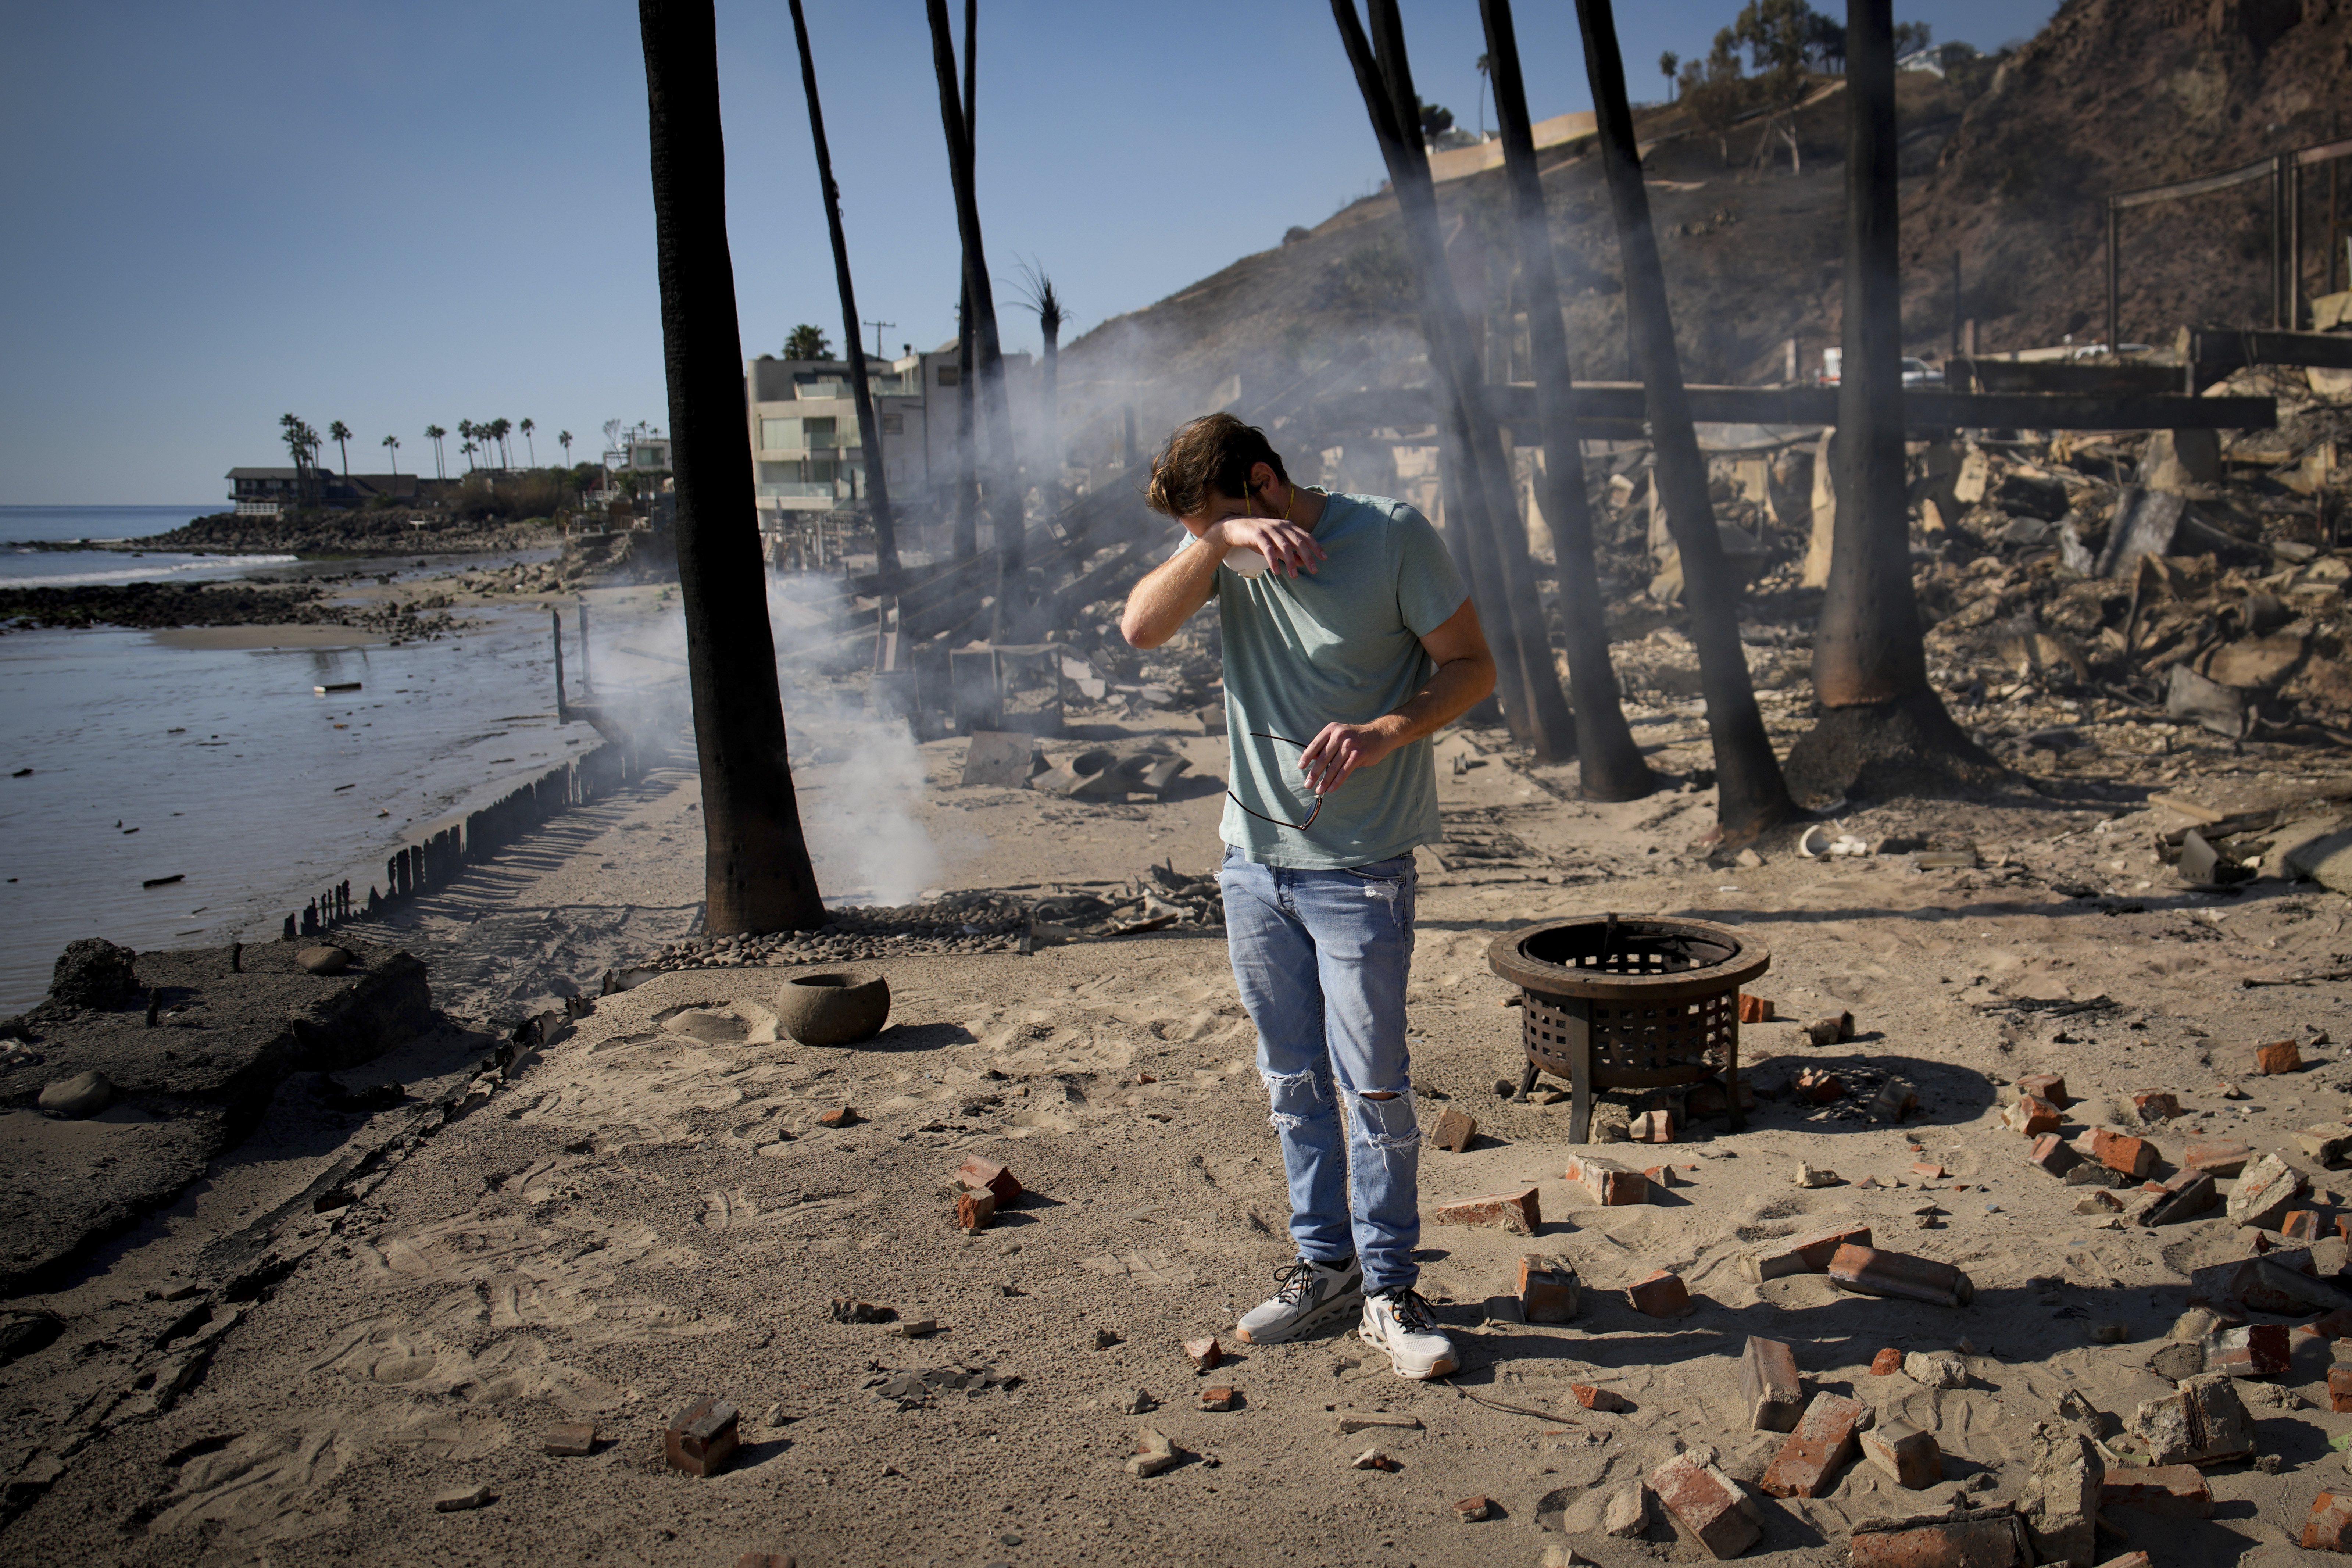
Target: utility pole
[878, 327]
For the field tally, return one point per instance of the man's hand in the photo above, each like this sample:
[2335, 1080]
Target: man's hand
[1288, 548]
[1338, 750]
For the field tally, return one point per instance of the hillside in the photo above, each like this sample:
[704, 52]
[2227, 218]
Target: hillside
[2109, 96]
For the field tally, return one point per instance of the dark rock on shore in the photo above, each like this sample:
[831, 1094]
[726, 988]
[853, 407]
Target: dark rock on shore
[159, 607]
[388, 532]
[184, 1090]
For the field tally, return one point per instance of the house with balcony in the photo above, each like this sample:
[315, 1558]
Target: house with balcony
[809, 450]
[266, 493]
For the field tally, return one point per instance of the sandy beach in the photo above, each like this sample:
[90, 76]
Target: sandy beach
[648, 1210]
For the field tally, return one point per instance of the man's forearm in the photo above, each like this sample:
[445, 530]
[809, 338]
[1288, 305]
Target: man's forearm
[1168, 596]
[1458, 686]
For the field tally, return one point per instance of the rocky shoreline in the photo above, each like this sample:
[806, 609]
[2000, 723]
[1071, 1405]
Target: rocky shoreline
[165, 606]
[391, 532]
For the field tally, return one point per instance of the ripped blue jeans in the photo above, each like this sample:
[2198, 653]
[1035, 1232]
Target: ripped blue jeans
[1322, 959]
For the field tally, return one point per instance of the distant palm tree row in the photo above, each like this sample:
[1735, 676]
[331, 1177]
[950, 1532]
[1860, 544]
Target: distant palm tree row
[485, 438]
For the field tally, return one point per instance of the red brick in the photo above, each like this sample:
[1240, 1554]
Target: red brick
[2155, 1105]
[1871, 1271]
[2218, 1158]
[1473, 1508]
[1520, 1212]
[2053, 1155]
[2329, 1528]
[1982, 1540]
[1931, 1172]
[2118, 1151]
[700, 1441]
[1755, 1009]
[975, 1209]
[2302, 1225]
[1823, 1441]
[2257, 1349]
[1905, 1452]
[1592, 1396]
[1206, 1355]
[1887, 1362]
[979, 1173]
[1548, 1290]
[1768, 1386]
[2277, 1056]
[839, 1116]
[1706, 1506]
[2031, 1117]
[1662, 1295]
[1820, 1085]
[2177, 1491]
[1610, 1183]
[2339, 1389]
[1652, 1127]
[1454, 1130]
[2049, 1086]
[1218, 1398]
[1895, 1100]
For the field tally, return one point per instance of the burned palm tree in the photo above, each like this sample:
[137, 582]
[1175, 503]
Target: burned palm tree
[1000, 489]
[1609, 765]
[1751, 795]
[1880, 718]
[877, 483]
[1037, 293]
[756, 870]
[967, 464]
[1483, 505]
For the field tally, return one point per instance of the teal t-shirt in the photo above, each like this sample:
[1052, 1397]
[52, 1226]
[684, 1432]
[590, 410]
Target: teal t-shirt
[1338, 645]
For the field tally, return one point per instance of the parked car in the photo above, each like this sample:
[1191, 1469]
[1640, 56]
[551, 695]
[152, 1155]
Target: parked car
[1916, 372]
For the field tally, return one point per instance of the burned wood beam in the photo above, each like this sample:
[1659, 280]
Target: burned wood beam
[1603, 403]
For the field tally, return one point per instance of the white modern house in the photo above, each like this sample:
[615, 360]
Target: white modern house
[808, 448]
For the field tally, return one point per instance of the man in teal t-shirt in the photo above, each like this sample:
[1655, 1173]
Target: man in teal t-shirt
[1349, 641]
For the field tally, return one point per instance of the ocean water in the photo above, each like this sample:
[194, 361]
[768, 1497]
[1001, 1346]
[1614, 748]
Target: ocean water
[222, 767]
[22, 568]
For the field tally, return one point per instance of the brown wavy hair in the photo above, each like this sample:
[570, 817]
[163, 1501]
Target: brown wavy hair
[1212, 454]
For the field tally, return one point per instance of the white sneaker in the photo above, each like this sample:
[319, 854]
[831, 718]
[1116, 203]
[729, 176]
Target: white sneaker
[1398, 1322]
[1310, 1293]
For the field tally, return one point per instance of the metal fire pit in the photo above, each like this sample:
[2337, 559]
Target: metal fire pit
[1639, 1001]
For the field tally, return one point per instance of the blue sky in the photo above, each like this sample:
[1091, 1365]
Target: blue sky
[397, 216]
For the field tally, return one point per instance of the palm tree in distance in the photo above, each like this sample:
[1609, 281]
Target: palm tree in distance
[1485, 75]
[500, 429]
[1037, 293]
[563, 439]
[468, 450]
[807, 342]
[340, 435]
[1668, 64]
[527, 426]
[466, 434]
[434, 433]
[392, 445]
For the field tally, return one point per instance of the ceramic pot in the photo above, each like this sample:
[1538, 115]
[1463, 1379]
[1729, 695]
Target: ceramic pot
[832, 1008]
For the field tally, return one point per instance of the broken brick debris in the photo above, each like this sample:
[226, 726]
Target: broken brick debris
[974, 1210]
[1928, 1172]
[1372, 1459]
[1874, 1271]
[2253, 1350]
[1706, 1505]
[1153, 1453]
[2326, 1145]
[1592, 1396]
[1218, 1398]
[2177, 1491]
[1905, 1452]
[1628, 1515]
[1205, 1354]
[2156, 1105]
[1547, 1290]
[2277, 1056]
[2329, 1527]
[1610, 1183]
[1887, 1362]
[839, 1116]
[1755, 1009]
[2339, 1389]
[2049, 1086]
[1895, 1100]
[2265, 1194]
[1822, 1442]
[977, 1175]
[1831, 1030]
[2217, 1157]
[2300, 1226]
[2118, 1151]
[1520, 1213]
[1990, 1537]
[2031, 1116]
[569, 1439]
[1651, 1127]
[2202, 1422]
[1454, 1130]
[457, 1499]
[1660, 1295]
[2186, 1195]
[1809, 1255]
[1471, 1509]
[1768, 1386]
[2053, 1155]
[1820, 1085]
[701, 1439]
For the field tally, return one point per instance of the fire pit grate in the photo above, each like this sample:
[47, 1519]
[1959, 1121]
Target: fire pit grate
[1629, 1003]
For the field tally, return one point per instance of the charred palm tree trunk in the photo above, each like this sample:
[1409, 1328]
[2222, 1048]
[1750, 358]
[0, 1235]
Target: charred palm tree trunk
[1486, 504]
[756, 864]
[1610, 765]
[1751, 795]
[1881, 719]
[877, 484]
[1001, 488]
[967, 473]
